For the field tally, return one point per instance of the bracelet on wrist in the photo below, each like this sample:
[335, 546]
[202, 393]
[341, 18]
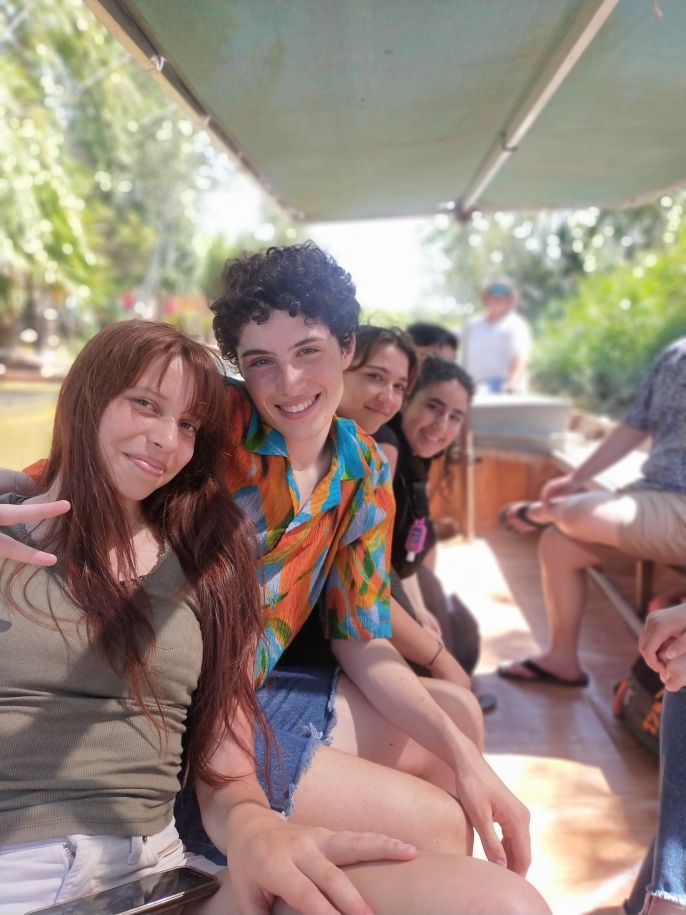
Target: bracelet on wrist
[440, 648]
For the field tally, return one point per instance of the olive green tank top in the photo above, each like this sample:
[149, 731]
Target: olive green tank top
[78, 756]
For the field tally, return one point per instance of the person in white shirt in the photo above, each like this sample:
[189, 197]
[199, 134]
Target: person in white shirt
[497, 344]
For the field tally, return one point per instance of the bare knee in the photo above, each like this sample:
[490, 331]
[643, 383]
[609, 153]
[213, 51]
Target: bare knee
[518, 898]
[434, 820]
[373, 798]
[595, 517]
[551, 542]
[486, 888]
[558, 551]
[444, 826]
[444, 885]
[553, 549]
[572, 516]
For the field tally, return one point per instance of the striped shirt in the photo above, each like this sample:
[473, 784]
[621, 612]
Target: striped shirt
[336, 545]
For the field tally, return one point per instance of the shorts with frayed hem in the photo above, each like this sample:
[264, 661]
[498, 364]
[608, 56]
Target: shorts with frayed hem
[299, 703]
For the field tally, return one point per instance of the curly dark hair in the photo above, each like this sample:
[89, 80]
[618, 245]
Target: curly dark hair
[435, 369]
[299, 279]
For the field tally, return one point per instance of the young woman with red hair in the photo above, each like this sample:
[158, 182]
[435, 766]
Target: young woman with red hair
[153, 600]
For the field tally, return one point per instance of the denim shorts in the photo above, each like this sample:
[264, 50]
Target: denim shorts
[300, 705]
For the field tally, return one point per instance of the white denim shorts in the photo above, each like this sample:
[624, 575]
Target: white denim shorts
[35, 875]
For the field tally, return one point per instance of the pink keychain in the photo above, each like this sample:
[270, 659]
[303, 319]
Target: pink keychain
[416, 538]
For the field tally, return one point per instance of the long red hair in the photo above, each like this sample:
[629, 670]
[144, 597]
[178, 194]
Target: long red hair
[194, 513]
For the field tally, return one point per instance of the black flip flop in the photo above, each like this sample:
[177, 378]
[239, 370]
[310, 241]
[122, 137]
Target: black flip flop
[520, 510]
[539, 675]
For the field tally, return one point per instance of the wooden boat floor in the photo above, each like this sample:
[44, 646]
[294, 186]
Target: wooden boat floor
[590, 786]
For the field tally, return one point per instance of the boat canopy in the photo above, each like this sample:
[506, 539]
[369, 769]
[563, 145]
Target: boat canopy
[349, 109]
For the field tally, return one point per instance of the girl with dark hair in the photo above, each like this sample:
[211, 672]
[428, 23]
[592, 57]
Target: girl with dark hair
[429, 423]
[382, 371]
[375, 388]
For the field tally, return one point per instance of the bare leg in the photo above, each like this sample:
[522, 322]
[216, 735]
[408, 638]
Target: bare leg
[385, 781]
[432, 883]
[362, 731]
[563, 563]
[592, 517]
[444, 885]
[565, 552]
[658, 906]
[343, 792]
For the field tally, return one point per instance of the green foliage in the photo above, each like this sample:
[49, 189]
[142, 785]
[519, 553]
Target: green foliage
[42, 238]
[546, 254]
[604, 290]
[597, 344]
[520, 247]
[103, 180]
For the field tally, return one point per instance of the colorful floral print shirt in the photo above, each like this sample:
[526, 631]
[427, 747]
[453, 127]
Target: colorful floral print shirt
[337, 545]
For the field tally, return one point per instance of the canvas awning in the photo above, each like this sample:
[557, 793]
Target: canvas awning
[362, 108]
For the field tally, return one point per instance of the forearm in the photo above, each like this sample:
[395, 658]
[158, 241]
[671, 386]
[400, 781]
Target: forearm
[228, 811]
[386, 681]
[613, 448]
[515, 375]
[414, 593]
[410, 639]
[381, 674]
[225, 807]
[419, 645]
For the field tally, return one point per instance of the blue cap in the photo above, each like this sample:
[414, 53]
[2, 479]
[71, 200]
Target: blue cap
[499, 290]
